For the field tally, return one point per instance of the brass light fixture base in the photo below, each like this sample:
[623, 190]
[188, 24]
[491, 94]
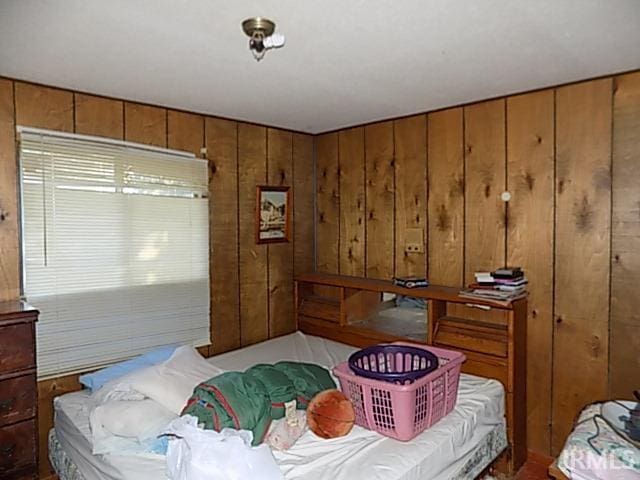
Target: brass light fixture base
[252, 26]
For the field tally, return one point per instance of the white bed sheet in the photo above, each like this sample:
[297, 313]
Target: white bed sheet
[438, 453]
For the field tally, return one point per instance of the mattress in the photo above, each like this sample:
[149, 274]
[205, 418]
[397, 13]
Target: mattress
[459, 446]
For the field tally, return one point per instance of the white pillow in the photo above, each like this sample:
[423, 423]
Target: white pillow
[140, 419]
[170, 383]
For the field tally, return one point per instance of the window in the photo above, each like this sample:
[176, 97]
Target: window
[115, 248]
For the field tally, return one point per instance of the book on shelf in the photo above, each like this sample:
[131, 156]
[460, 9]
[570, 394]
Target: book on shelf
[411, 282]
[504, 285]
[498, 301]
[513, 283]
[509, 272]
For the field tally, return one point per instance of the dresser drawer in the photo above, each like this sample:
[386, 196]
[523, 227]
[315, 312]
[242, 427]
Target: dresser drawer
[17, 350]
[18, 399]
[17, 447]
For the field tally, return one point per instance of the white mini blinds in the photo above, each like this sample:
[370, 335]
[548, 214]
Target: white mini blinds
[115, 248]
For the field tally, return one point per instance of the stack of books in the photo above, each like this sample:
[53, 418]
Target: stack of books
[502, 286]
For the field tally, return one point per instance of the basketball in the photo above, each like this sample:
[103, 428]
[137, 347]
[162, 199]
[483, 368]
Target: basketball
[330, 414]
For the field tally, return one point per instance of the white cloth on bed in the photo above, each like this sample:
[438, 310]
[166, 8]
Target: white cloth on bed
[128, 426]
[197, 454]
[438, 453]
[169, 383]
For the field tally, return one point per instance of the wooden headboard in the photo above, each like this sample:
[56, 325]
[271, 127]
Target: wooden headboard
[492, 336]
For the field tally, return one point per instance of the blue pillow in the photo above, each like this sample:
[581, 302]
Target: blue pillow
[94, 381]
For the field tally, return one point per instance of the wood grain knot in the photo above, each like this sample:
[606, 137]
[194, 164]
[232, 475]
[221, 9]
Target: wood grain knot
[371, 215]
[583, 214]
[538, 138]
[457, 189]
[324, 173]
[595, 346]
[559, 319]
[283, 176]
[469, 149]
[392, 163]
[487, 191]
[443, 219]
[321, 217]
[529, 180]
[213, 168]
[417, 219]
[616, 258]
[534, 313]
[560, 187]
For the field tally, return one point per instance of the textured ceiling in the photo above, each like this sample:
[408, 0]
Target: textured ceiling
[345, 62]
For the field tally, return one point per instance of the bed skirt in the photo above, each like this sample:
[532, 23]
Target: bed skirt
[484, 454]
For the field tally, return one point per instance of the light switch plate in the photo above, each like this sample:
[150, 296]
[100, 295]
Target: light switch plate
[414, 240]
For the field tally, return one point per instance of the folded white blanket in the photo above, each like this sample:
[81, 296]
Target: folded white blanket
[128, 427]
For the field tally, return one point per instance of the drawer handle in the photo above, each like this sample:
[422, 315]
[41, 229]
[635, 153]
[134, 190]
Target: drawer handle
[6, 404]
[7, 451]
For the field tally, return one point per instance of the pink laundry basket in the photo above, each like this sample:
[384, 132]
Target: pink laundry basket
[404, 411]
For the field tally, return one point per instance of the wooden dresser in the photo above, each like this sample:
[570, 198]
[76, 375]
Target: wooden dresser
[18, 392]
[492, 337]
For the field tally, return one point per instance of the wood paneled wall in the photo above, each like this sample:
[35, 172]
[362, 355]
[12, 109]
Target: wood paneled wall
[251, 285]
[570, 158]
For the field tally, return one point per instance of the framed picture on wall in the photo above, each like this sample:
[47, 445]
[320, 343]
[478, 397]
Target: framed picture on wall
[273, 215]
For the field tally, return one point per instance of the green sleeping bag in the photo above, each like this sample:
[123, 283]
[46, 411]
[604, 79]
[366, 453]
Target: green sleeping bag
[277, 385]
[250, 400]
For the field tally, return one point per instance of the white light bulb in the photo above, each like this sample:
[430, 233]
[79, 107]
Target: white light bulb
[274, 41]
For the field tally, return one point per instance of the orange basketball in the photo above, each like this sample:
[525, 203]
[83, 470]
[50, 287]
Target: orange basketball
[330, 414]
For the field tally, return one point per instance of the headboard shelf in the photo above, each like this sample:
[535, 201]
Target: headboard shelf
[354, 310]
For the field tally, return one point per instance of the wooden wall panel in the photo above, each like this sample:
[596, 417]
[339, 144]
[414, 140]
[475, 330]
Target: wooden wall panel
[446, 197]
[280, 172]
[303, 199]
[252, 171]
[43, 107]
[410, 136]
[380, 215]
[222, 152]
[352, 222]
[484, 182]
[327, 204]
[530, 180]
[56, 109]
[185, 131]
[9, 240]
[145, 124]
[624, 366]
[99, 116]
[583, 208]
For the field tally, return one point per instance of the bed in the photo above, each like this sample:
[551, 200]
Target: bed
[460, 446]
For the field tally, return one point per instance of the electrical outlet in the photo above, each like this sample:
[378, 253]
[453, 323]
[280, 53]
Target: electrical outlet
[414, 240]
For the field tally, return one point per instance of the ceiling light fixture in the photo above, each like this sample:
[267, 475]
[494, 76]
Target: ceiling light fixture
[261, 37]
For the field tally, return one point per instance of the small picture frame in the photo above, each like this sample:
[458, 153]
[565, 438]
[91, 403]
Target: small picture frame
[273, 215]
